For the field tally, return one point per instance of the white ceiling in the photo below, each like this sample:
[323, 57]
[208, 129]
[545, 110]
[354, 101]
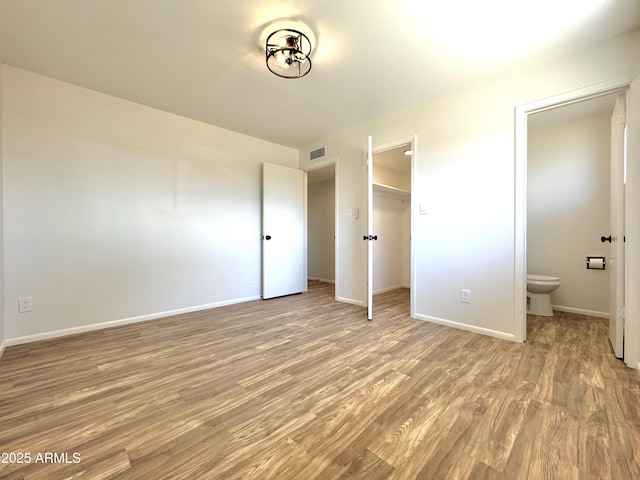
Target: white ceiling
[204, 59]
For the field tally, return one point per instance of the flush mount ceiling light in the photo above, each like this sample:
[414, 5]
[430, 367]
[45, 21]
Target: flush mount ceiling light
[288, 53]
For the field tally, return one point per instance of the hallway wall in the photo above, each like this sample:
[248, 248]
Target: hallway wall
[321, 234]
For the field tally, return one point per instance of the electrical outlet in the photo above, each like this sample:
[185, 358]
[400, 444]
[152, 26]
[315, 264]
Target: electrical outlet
[465, 296]
[25, 304]
[249, 278]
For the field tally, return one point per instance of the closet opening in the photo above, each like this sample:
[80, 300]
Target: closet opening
[392, 224]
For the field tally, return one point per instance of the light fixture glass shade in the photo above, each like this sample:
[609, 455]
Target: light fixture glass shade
[287, 52]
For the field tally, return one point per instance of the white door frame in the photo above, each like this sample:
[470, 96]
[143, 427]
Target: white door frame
[413, 141]
[522, 113]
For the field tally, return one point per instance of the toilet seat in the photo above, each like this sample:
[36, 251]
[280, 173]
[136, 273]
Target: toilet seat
[534, 278]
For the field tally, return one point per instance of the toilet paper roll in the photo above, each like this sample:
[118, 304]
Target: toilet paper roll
[595, 263]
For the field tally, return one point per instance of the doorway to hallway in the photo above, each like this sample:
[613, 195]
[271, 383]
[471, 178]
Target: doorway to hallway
[321, 224]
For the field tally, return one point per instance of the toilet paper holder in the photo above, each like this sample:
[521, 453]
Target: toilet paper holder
[596, 263]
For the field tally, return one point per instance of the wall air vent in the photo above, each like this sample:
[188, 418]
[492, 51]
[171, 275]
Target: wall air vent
[317, 153]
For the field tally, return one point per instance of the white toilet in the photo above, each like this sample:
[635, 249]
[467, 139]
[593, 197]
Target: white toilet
[539, 288]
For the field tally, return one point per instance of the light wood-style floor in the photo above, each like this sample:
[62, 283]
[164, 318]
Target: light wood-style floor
[303, 387]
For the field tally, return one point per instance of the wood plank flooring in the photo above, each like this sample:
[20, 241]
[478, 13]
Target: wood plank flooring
[302, 387]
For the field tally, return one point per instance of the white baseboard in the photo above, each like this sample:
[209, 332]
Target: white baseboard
[359, 303]
[124, 321]
[388, 289]
[323, 280]
[469, 328]
[581, 311]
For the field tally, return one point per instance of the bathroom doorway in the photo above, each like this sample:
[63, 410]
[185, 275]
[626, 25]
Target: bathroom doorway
[568, 201]
[589, 98]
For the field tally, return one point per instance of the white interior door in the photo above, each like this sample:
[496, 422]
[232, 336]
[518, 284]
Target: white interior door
[615, 263]
[368, 237]
[632, 230]
[283, 231]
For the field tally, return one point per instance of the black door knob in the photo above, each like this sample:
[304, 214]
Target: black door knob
[268, 237]
[605, 239]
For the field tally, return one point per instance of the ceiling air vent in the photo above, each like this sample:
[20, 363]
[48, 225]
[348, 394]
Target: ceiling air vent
[317, 153]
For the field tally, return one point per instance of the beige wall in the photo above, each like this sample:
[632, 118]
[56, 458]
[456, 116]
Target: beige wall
[568, 208]
[116, 212]
[321, 233]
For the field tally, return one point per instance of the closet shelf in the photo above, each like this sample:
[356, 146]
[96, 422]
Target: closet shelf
[392, 191]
